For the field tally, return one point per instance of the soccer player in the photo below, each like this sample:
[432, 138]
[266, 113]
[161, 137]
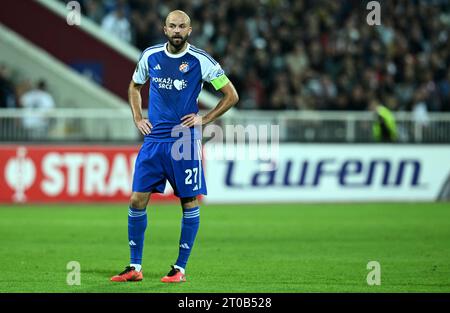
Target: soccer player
[176, 71]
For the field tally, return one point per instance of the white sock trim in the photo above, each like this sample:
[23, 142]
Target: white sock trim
[138, 267]
[180, 268]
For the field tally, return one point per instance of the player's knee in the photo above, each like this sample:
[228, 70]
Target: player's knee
[189, 202]
[138, 200]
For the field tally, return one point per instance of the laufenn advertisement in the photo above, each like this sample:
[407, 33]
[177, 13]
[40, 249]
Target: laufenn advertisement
[326, 172]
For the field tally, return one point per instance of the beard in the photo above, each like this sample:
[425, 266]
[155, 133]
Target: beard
[178, 41]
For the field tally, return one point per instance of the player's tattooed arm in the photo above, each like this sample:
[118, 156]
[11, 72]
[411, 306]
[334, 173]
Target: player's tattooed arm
[230, 98]
[135, 99]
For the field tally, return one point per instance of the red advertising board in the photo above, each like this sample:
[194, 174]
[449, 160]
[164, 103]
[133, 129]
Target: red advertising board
[43, 173]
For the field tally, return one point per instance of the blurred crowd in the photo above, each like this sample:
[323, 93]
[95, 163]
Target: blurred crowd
[19, 92]
[308, 54]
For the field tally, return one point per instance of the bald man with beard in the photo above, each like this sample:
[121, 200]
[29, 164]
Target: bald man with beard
[172, 137]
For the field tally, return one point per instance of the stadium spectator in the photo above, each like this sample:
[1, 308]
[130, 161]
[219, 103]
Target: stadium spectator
[94, 10]
[384, 127]
[37, 101]
[117, 24]
[7, 92]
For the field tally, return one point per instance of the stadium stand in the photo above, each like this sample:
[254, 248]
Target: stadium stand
[312, 55]
[317, 63]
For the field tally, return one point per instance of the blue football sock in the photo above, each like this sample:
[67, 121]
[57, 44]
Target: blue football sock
[189, 228]
[137, 223]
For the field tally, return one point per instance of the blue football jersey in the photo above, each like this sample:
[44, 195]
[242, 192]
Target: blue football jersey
[175, 84]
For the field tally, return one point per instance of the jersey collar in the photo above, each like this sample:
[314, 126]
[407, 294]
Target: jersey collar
[178, 55]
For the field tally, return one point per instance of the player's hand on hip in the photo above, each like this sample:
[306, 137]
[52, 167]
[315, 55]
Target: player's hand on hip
[144, 126]
[191, 120]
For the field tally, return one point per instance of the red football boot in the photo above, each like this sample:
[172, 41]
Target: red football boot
[129, 274]
[174, 276]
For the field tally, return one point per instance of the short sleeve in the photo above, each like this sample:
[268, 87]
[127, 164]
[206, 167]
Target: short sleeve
[140, 75]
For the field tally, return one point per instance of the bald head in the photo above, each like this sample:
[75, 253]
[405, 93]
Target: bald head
[178, 16]
[177, 29]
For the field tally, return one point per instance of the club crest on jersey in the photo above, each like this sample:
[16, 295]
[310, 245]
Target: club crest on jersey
[184, 67]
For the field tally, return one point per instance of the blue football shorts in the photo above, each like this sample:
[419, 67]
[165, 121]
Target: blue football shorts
[180, 163]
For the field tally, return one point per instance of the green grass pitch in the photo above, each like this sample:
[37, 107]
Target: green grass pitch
[239, 248]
